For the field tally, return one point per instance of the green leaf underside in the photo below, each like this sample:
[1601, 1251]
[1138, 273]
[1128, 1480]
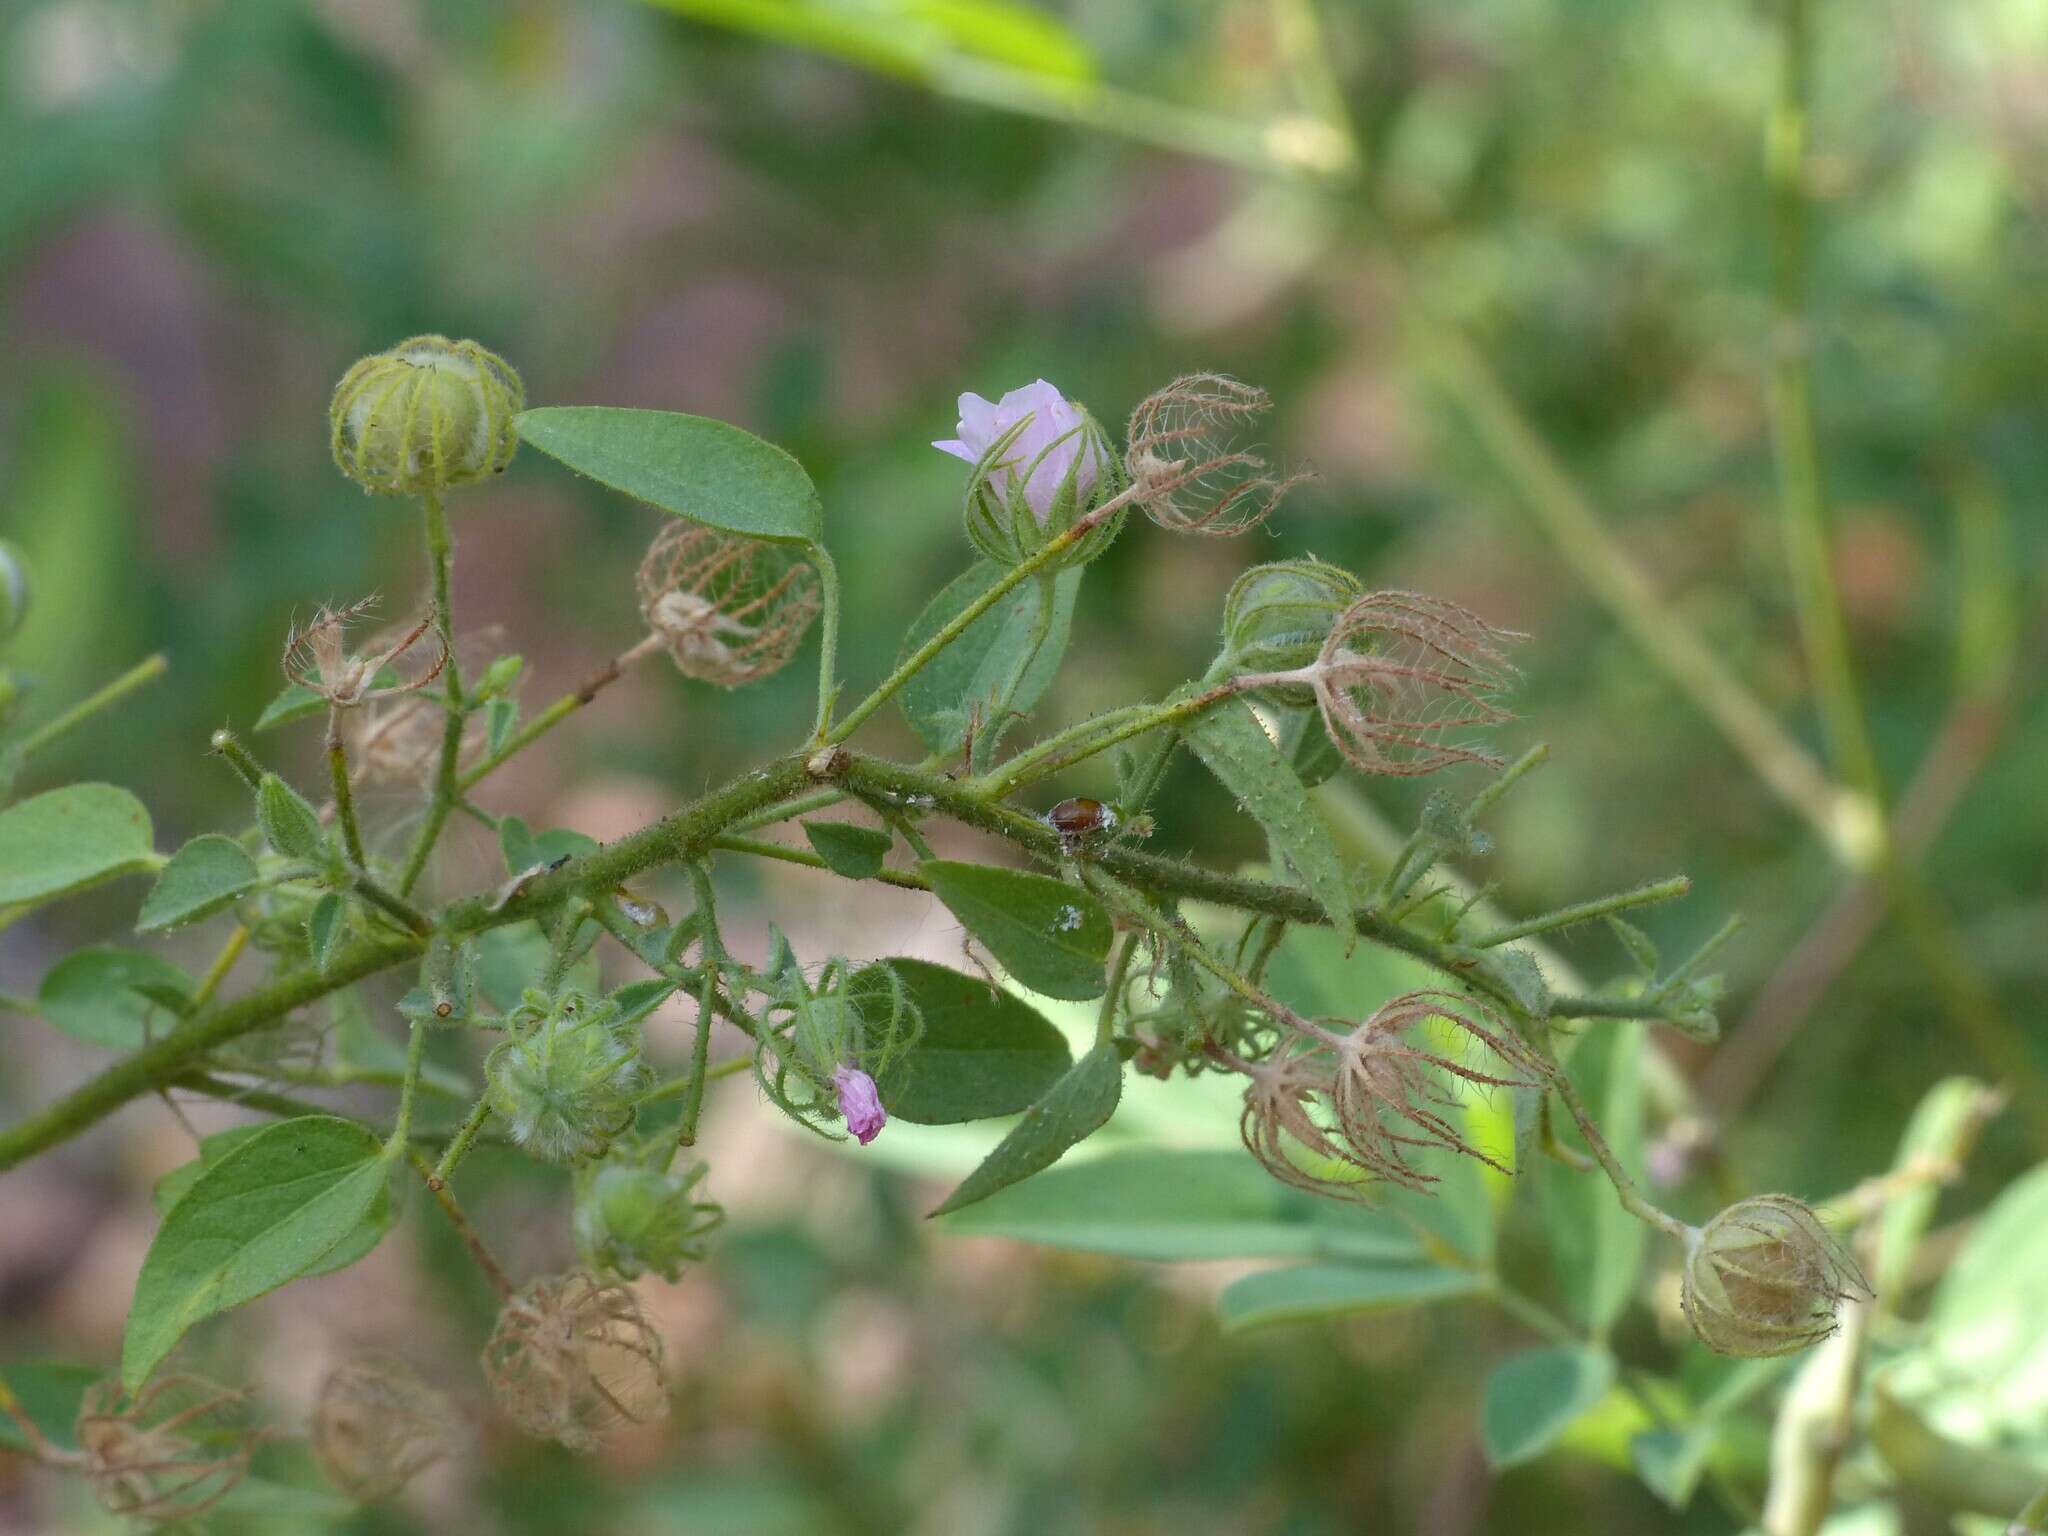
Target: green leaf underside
[113, 997]
[1252, 766]
[326, 925]
[50, 1394]
[939, 700]
[914, 38]
[850, 850]
[1315, 1291]
[983, 1052]
[204, 876]
[1172, 1206]
[1598, 1248]
[1533, 1397]
[273, 1209]
[1073, 1109]
[1052, 936]
[67, 839]
[710, 472]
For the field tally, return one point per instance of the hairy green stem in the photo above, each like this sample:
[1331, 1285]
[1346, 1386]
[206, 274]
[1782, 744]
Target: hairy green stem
[908, 880]
[447, 788]
[828, 638]
[1586, 911]
[344, 793]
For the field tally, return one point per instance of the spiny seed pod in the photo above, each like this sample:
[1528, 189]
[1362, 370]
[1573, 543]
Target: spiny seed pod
[1392, 1097]
[1399, 673]
[573, 1358]
[1764, 1277]
[729, 610]
[168, 1454]
[1040, 462]
[570, 1085]
[1277, 616]
[428, 414]
[13, 590]
[377, 1426]
[630, 1220]
[1185, 471]
[317, 658]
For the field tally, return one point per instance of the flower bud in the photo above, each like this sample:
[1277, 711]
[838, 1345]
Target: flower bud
[630, 1220]
[821, 1047]
[1184, 470]
[570, 1085]
[1040, 462]
[860, 1103]
[290, 824]
[428, 414]
[377, 1426]
[729, 610]
[168, 1454]
[1277, 616]
[573, 1358]
[13, 590]
[1764, 1278]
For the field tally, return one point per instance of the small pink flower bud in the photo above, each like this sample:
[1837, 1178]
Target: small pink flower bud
[859, 1103]
[1047, 438]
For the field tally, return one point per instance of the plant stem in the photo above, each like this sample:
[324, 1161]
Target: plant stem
[828, 638]
[1625, 1189]
[437, 1186]
[216, 973]
[344, 794]
[142, 673]
[441, 556]
[415, 1058]
[908, 880]
[707, 1001]
[1586, 911]
[1112, 998]
[460, 1143]
[1060, 753]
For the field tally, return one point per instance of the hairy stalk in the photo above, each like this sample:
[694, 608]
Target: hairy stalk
[1119, 975]
[557, 712]
[447, 788]
[437, 1186]
[902, 879]
[1625, 1189]
[216, 973]
[140, 675]
[1062, 752]
[713, 958]
[828, 637]
[344, 793]
[1586, 911]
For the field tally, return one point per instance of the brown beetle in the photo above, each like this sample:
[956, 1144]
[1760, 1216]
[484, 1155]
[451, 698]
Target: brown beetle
[1080, 818]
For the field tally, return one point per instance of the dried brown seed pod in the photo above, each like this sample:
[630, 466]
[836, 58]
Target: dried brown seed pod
[730, 610]
[317, 657]
[1764, 1277]
[1393, 1098]
[573, 1358]
[1288, 1126]
[377, 1426]
[168, 1454]
[1185, 468]
[1399, 673]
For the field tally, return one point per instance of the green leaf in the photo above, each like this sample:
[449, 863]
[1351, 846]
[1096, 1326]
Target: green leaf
[65, 840]
[204, 876]
[982, 664]
[912, 38]
[523, 848]
[1945, 1119]
[1052, 936]
[1532, 1398]
[500, 716]
[513, 958]
[326, 927]
[1073, 1109]
[273, 1209]
[51, 1395]
[637, 999]
[1173, 1206]
[1598, 1247]
[297, 702]
[1315, 1291]
[707, 471]
[290, 824]
[849, 849]
[983, 1053]
[122, 998]
[1252, 766]
[177, 1184]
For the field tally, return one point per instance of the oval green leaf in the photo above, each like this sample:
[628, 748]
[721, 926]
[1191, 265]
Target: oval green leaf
[65, 840]
[710, 472]
[1073, 1109]
[1052, 936]
[122, 998]
[983, 1053]
[848, 849]
[204, 876]
[1532, 1398]
[941, 700]
[276, 1207]
[1174, 1206]
[1597, 1247]
[1315, 1291]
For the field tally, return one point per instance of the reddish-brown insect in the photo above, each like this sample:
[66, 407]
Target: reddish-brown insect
[1080, 818]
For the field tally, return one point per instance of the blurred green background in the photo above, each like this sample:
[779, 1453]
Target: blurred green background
[1465, 243]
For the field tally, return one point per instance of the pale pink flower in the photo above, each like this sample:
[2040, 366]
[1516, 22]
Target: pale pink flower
[1051, 437]
[859, 1103]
